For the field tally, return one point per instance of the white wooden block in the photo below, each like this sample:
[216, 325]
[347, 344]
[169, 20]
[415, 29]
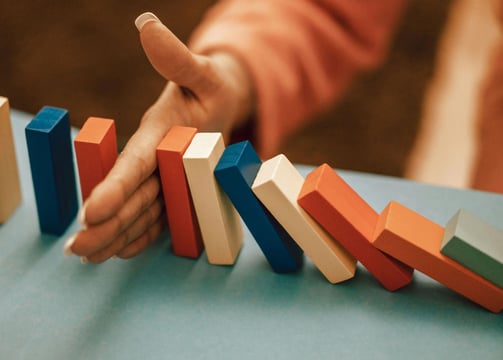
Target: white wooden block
[219, 221]
[277, 185]
[10, 188]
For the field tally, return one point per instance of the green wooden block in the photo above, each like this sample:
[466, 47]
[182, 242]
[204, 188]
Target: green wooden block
[475, 244]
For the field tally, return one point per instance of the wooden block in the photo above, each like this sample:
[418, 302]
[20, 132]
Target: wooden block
[415, 240]
[185, 233]
[475, 244]
[51, 162]
[351, 221]
[277, 186]
[235, 172]
[219, 221]
[96, 152]
[10, 188]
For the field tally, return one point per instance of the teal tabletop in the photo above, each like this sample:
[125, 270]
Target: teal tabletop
[159, 306]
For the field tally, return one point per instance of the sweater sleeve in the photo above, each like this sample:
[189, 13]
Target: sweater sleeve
[300, 54]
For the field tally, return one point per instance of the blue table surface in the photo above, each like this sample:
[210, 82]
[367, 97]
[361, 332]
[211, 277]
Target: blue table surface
[159, 306]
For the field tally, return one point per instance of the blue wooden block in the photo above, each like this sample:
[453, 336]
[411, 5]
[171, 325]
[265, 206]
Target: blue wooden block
[51, 161]
[235, 173]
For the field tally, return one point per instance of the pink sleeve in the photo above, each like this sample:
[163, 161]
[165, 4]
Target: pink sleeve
[301, 54]
[488, 167]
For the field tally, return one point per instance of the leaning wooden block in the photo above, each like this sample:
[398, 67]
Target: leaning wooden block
[475, 244]
[183, 226]
[10, 188]
[51, 162]
[277, 186]
[219, 221]
[415, 240]
[235, 172]
[351, 221]
[96, 152]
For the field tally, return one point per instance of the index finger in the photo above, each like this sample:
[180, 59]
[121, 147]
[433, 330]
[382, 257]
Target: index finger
[135, 164]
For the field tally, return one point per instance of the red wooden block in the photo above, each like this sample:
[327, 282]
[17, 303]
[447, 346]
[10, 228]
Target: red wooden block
[351, 221]
[96, 152]
[415, 240]
[184, 228]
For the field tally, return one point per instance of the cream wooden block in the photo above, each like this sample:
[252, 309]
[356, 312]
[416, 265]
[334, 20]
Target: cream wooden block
[219, 221]
[277, 185]
[10, 188]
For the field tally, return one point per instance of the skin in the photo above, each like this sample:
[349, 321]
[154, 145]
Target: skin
[124, 213]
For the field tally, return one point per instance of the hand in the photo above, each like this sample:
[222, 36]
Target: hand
[124, 213]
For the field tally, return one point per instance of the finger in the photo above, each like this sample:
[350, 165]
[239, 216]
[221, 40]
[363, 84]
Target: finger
[171, 58]
[138, 245]
[135, 164]
[136, 230]
[97, 237]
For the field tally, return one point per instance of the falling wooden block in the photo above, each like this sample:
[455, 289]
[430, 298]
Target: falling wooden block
[235, 172]
[475, 244]
[416, 241]
[183, 226]
[96, 152]
[50, 151]
[219, 221]
[10, 188]
[351, 221]
[277, 185]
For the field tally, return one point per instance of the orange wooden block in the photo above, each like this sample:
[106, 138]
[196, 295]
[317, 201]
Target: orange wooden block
[415, 240]
[351, 221]
[184, 228]
[96, 152]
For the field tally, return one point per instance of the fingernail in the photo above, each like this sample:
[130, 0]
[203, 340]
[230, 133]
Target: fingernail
[81, 217]
[67, 248]
[143, 19]
[83, 260]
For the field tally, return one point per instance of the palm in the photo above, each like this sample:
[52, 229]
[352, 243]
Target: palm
[124, 213]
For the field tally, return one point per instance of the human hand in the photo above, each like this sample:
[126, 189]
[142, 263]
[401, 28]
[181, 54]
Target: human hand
[124, 213]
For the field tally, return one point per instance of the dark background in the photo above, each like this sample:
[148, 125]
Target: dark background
[86, 57]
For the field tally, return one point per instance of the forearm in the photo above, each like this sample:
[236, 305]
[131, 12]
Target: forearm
[300, 55]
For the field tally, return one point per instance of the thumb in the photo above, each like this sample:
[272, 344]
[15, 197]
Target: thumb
[168, 55]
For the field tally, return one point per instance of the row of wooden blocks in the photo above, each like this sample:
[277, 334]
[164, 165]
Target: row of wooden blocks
[207, 187]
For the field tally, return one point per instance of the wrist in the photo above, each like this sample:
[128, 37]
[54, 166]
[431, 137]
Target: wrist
[241, 91]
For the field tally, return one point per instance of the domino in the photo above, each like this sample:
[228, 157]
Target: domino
[96, 152]
[10, 188]
[475, 244]
[50, 153]
[351, 221]
[415, 240]
[277, 186]
[235, 173]
[219, 221]
[184, 229]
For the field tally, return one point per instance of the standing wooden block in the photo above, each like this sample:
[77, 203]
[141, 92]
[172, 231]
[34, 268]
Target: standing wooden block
[51, 162]
[183, 226]
[96, 152]
[235, 172]
[219, 221]
[10, 188]
[475, 244]
[278, 185]
[351, 221]
[415, 240]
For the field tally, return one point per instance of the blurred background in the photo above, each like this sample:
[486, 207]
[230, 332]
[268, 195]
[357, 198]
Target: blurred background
[85, 56]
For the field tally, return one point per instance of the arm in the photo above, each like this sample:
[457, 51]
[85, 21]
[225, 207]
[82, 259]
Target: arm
[301, 54]
[278, 59]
